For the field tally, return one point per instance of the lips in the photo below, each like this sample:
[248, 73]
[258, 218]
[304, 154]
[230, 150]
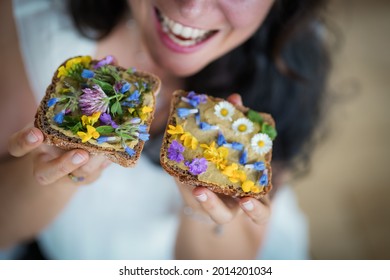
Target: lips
[181, 35]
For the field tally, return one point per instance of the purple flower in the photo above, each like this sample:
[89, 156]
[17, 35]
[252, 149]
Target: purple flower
[59, 117]
[175, 151]
[52, 101]
[195, 99]
[107, 60]
[197, 166]
[107, 120]
[93, 100]
[87, 74]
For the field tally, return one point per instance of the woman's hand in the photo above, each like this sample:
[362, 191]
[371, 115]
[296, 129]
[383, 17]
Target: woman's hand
[53, 165]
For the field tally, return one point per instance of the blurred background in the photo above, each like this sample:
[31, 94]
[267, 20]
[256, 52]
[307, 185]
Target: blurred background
[346, 195]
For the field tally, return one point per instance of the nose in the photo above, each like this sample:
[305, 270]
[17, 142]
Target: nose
[192, 9]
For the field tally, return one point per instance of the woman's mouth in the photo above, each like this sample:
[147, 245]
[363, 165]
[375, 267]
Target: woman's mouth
[183, 36]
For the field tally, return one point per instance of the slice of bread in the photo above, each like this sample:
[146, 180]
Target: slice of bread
[99, 107]
[210, 142]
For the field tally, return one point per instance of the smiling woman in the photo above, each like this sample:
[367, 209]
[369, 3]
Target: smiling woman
[268, 51]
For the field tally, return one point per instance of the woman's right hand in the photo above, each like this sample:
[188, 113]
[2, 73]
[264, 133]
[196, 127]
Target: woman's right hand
[53, 165]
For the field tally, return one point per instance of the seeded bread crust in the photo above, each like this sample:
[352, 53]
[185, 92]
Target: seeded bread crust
[185, 177]
[60, 140]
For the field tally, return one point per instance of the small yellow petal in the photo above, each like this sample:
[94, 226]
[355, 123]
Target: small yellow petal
[247, 186]
[146, 109]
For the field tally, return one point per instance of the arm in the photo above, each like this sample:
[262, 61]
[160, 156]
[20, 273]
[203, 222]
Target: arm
[34, 186]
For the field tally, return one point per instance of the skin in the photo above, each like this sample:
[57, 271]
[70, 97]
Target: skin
[46, 188]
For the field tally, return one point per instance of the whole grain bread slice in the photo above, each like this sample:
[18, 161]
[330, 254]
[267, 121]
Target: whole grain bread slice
[184, 175]
[115, 153]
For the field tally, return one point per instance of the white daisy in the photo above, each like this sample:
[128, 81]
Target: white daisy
[224, 110]
[261, 143]
[242, 126]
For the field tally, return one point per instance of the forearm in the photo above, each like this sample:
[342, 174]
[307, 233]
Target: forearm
[26, 206]
[199, 238]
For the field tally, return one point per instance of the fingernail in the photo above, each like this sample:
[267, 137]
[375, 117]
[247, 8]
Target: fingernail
[32, 138]
[202, 197]
[77, 158]
[248, 205]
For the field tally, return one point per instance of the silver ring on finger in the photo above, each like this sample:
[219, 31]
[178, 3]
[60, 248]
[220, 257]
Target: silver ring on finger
[76, 179]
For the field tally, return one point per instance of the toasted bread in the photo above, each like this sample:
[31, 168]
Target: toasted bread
[99, 107]
[210, 142]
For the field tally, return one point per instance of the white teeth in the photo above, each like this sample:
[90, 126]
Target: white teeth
[175, 30]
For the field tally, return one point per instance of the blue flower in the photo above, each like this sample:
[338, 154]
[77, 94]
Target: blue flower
[125, 87]
[129, 151]
[197, 118]
[244, 157]
[59, 117]
[103, 139]
[237, 146]
[263, 180]
[52, 101]
[134, 96]
[87, 74]
[143, 136]
[206, 126]
[135, 120]
[221, 139]
[184, 112]
[195, 99]
[142, 128]
[259, 165]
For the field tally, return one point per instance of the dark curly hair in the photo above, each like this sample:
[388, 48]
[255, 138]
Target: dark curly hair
[282, 69]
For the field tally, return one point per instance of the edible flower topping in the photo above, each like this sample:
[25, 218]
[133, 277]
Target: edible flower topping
[189, 140]
[59, 117]
[242, 126]
[247, 186]
[74, 66]
[107, 60]
[104, 139]
[264, 178]
[129, 151]
[91, 133]
[87, 74]
[93, 100]
[90, 120]
[197, 166]
[52, 101]
[259, 166]
[244, 157]
[194, 99]
[224, 110]
[175, 130]
[207, 126]
[175, 151]
[107, 120]
[261, 143]
[216, 155]
[185, 112]
[234, 145]
[221, 139]
[234, 174]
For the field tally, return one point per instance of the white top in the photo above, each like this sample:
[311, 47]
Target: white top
[129, 213]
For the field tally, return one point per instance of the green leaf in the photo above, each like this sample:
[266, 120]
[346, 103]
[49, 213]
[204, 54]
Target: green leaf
[269, 130]
[255, 117]
[106, 87]
[125, 136]
[105, 129]
[77, 127]
[116, 107]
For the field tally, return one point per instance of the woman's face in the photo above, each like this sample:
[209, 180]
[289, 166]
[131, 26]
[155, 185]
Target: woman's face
[183, 36]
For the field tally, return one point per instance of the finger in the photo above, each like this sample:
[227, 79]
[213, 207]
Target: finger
[258, 211]
[213, 205]
[24, 141]
[235, 99]
[94, 163]
[47, 170]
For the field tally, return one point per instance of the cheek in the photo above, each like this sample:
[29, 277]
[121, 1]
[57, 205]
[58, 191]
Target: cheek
[246, 13]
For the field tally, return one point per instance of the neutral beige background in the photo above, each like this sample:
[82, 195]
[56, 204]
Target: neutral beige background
[346, 196]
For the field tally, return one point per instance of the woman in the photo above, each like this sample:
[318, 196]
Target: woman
[268, 51]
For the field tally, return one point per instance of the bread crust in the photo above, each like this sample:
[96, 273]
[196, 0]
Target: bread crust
[56, 138]
[185, 177]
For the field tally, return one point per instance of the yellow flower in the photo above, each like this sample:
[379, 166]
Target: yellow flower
[247, 186]
[216, 155]
[91, 133]
[72, 63]
[235, 175]
[256, 189]
[189, 141]
[90, 120]
[174, 130]
[144, 112]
